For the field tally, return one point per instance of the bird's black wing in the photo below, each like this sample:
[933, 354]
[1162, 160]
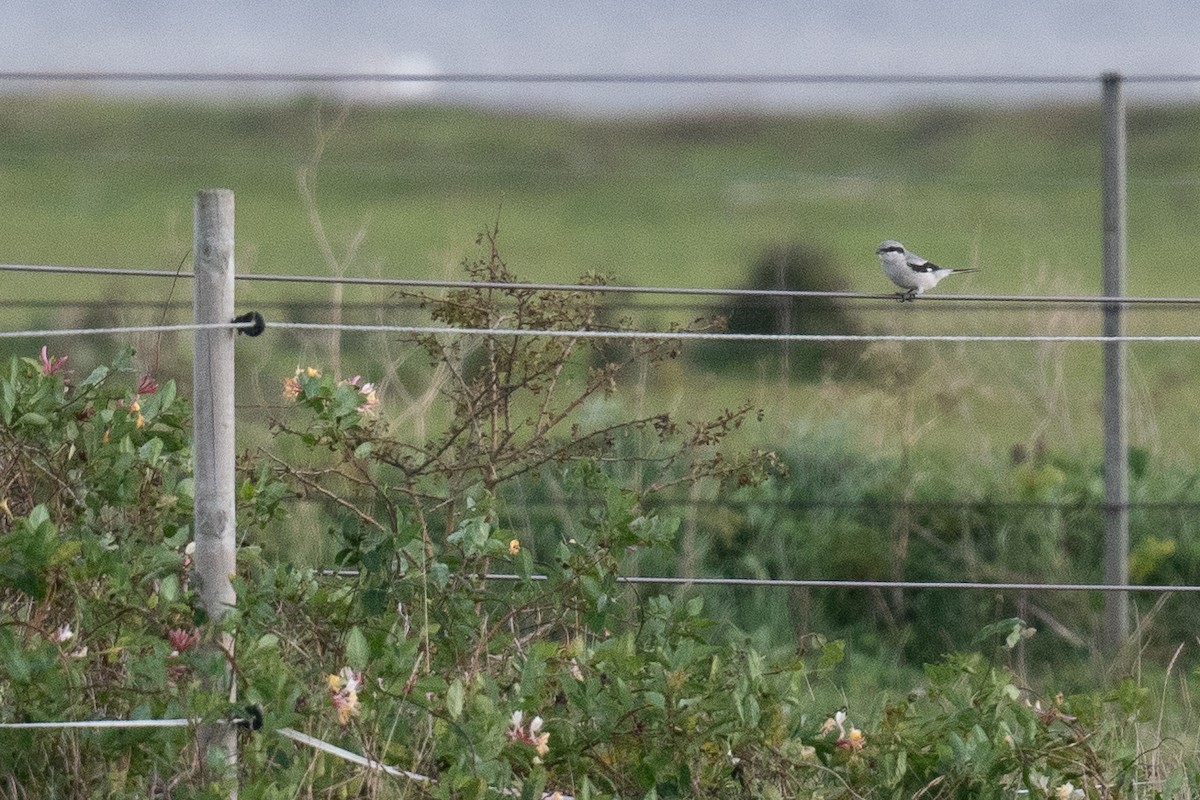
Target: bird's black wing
[927, 266]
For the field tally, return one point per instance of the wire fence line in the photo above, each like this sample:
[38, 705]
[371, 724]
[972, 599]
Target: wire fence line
[698, 78]
[605, 334]
[307, 305]
[708, 291]
[804, 504]
[829, 583]
[436, 330]
[730, 337]
[193, 326]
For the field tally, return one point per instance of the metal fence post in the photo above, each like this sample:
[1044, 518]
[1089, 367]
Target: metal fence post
[213, 447]
[1116, 411]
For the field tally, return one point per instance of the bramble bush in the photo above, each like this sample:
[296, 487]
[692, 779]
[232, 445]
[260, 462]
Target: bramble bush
[444, 643]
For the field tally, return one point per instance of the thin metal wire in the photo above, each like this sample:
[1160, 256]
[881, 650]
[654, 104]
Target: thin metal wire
[712, 291]
[102, 723]
[352, 757]
[202, 326]
[816, 583]
[552, 78]
[803, 504]
[727, 337]
[586, 334]
[575, 77]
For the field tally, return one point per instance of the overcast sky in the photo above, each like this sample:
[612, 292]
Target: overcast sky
[869, 36]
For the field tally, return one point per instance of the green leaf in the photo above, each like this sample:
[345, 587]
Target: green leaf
[1174, 782]
[32, 418]
[12, 658]
[268, 641]
[168, 588]
[151, 450]
[98, 374]
[166, 395]
[356, 648]
[8, 399]
[454, 698]
[832, 654]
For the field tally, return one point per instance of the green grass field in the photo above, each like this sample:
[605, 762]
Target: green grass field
[686, 201]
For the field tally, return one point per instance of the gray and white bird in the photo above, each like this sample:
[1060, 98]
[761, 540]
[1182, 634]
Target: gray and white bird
[911, 272]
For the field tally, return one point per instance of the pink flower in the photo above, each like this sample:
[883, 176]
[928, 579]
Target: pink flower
[532, 735]
[370, 404]
[181, 640]
[51, 366]
[147, 385]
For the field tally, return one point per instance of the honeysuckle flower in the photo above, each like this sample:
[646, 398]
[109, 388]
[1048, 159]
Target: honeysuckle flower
[147, 385]
[8, 515]
[347, 706]
[63, 634]
[51, 366]
[532, 735]
[853, 741]
[136, 408]
[182, 640]
[351, 679]
[838, 721]
[514, 547]
[370, 403]
[1067, 791]
[343, 689]
[291, 388]
[541, 741]
[311, 372]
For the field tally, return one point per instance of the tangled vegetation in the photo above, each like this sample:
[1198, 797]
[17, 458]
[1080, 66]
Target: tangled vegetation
[441, 644]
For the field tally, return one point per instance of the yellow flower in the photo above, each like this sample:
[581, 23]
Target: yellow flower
[312, 372]
[514, 547]
[8, 515]
[335, 682]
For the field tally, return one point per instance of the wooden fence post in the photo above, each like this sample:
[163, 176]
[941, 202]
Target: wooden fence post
[213, 446]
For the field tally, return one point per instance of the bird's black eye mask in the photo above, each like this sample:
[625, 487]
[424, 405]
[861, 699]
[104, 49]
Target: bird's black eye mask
[891, 250]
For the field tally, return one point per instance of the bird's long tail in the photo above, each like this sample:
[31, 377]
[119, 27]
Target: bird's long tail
[961, 271]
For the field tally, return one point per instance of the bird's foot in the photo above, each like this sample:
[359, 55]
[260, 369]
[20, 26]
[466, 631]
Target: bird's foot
[907, 297]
